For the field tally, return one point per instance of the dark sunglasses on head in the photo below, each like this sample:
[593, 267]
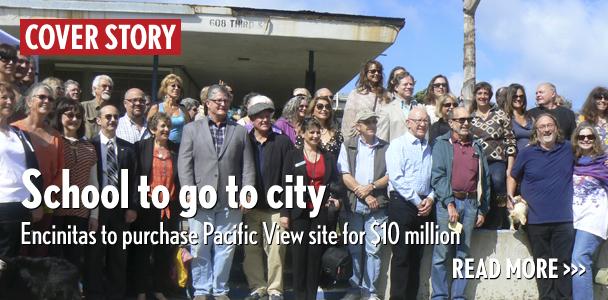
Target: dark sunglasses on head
[320, 106]
[70, 115]
[582, 137]
[438, 85]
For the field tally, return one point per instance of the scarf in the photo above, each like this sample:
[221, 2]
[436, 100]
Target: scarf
[594, 167]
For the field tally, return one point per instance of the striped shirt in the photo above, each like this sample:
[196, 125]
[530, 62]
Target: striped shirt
[80, 158]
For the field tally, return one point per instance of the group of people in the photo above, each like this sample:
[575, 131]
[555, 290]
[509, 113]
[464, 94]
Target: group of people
[392, 159]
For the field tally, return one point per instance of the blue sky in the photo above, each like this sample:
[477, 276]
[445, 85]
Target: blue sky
[561, 41]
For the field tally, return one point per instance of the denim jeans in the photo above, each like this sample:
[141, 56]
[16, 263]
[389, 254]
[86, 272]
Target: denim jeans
[366, 266]
[211, 263]
[467, 212]
[585, 247]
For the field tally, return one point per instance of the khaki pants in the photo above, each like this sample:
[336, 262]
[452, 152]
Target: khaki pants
[253, 265]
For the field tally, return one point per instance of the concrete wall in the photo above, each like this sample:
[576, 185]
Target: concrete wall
[501, 245]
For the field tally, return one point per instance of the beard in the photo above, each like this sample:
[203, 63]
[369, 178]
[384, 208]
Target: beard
[106, 96]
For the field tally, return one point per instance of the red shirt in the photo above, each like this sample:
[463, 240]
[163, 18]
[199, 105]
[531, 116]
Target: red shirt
[315, 172]
[465, 167]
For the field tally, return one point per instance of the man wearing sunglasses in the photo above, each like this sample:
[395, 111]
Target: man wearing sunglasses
[114, 155]
[461, 181]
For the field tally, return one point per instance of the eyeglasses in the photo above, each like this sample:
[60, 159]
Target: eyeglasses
[22, 61]
[600, 97]
[440, 85]
[44, 98]
[320, 106]
[446, 105]
[136, 101]
[110, 116]
[71, 115]
[8, 59]
[589, 137]
[419, 121]
[373, 71]
[545, 127]
[218, 101]
[463, 120]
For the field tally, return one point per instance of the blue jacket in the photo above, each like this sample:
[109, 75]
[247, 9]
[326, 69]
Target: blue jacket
[441, 174]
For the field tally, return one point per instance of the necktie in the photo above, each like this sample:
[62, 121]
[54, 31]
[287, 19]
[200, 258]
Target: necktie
[111, 165]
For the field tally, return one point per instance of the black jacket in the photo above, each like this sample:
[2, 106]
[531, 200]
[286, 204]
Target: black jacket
[275, 151]
[145, 152]
[330, 178]
[127, 159]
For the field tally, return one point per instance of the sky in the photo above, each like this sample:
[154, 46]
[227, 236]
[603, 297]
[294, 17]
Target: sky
[564, 42]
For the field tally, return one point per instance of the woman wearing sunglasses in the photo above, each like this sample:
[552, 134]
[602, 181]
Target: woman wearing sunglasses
[171, 91]
[492, 128]
[516, 109]
[80, 159]
[595, 112]
[48, 146]
[331, 138]
[590, 205]
[445, 104]
[438, 86]
[369, 94]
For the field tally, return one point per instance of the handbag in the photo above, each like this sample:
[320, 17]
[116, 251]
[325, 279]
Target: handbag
[336, 265]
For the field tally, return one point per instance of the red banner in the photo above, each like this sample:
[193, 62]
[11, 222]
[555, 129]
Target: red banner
[100, 36]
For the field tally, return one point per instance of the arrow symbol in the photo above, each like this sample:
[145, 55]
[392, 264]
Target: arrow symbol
[567, 269]
[574, 270]
[582, 270]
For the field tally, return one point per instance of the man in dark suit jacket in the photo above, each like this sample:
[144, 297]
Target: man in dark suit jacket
[108, 281]
[211, 150]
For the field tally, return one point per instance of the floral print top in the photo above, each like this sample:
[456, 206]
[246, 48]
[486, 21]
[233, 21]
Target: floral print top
[333, 146]
[590, 206]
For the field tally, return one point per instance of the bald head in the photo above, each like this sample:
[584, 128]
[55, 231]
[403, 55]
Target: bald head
[135, 104]
[545, 95]
[418, 122]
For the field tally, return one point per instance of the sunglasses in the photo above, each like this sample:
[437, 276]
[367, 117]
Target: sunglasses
[175, 86]
[599, 97]
[463, 120]
[446, 105]
[589, 137]
[109, 117]
[71, 115]
[438, 85]
[44, 98]
[373, 71]
[320, 106]
[8, 59]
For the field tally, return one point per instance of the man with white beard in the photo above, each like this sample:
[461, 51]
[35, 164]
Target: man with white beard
[102, 90]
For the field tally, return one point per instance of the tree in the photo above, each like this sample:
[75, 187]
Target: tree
[469, 8]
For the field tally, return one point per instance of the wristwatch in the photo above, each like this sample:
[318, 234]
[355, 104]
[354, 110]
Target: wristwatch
[374, 186]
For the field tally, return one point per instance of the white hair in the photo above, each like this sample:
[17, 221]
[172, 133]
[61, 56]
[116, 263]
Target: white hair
[96, 81]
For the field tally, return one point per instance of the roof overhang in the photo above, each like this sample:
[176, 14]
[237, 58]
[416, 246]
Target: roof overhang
[251, 49]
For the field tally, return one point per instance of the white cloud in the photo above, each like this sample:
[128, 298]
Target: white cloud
[561, 41]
